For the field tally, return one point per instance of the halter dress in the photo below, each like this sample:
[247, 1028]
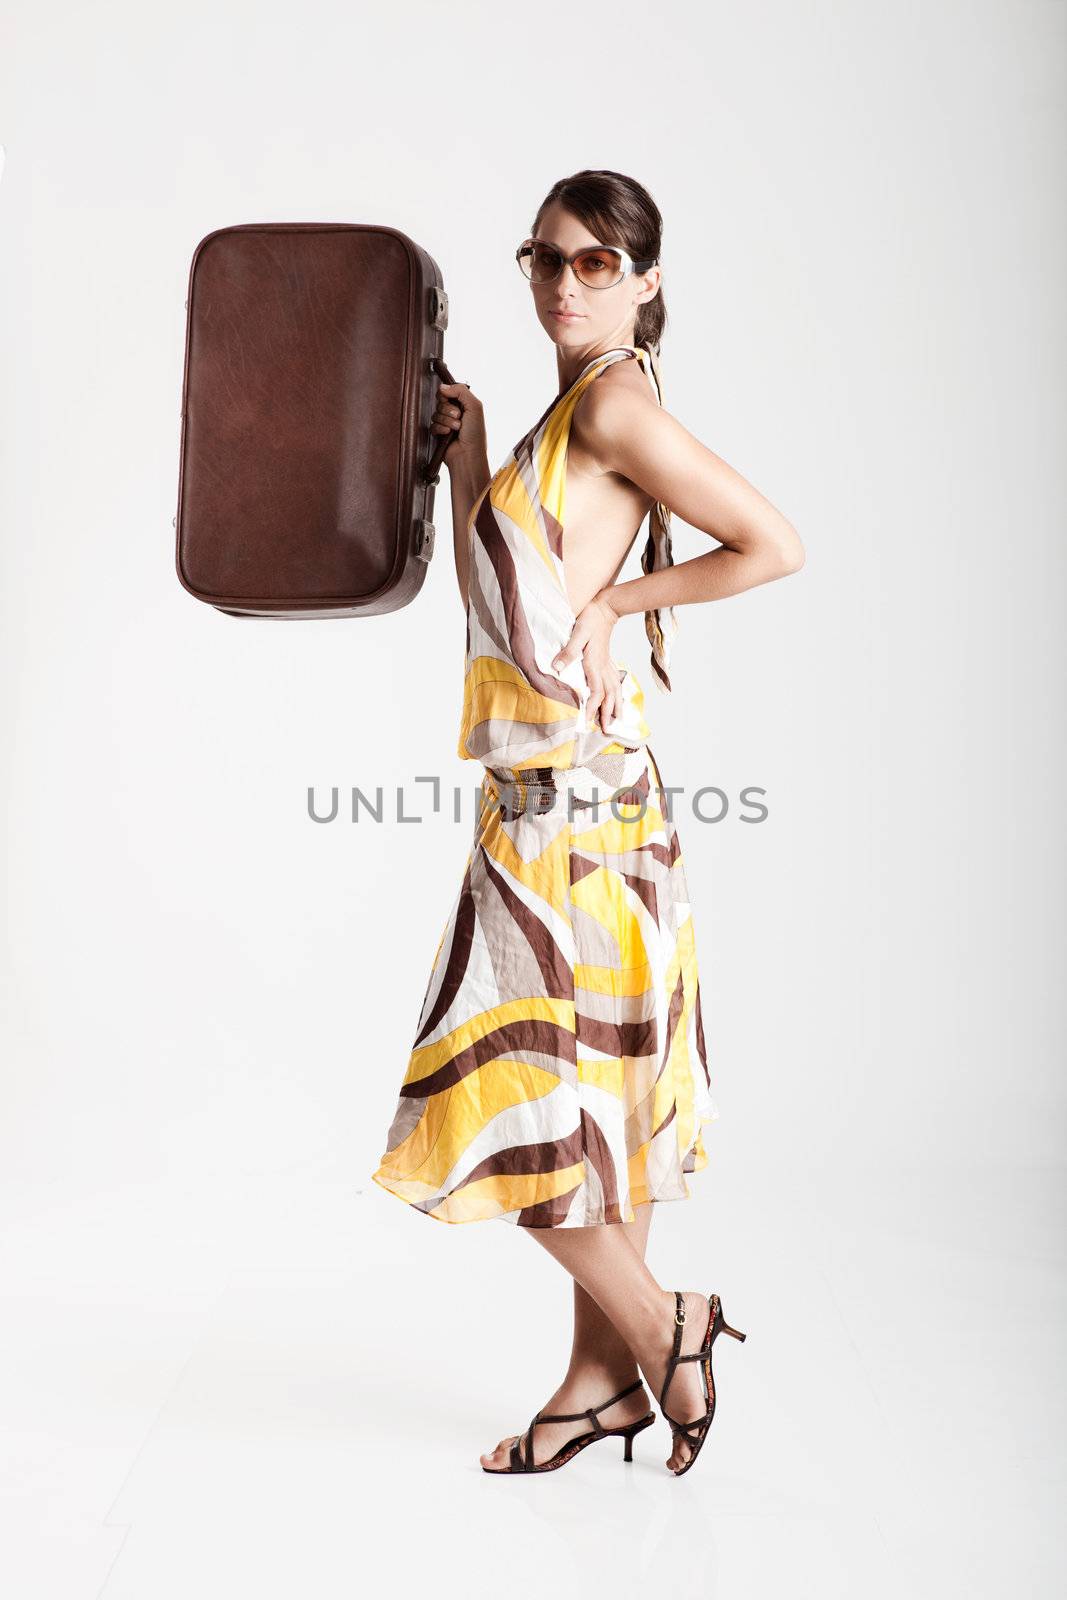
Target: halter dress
[558, 1076]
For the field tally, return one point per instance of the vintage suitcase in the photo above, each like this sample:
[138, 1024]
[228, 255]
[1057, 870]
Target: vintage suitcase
[306, 479]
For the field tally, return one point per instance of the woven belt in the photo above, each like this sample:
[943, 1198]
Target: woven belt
[540, 789]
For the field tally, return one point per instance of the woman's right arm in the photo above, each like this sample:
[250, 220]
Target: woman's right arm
[459, 412]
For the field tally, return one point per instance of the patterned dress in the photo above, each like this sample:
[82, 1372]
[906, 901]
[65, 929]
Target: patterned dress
[558, 1076]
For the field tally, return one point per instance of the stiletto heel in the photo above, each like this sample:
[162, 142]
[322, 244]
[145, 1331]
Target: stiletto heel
[522, 1460]
[716, 1324]
[631, 1431]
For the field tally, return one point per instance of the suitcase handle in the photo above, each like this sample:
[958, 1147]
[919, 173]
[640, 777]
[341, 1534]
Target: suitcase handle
[432, 470]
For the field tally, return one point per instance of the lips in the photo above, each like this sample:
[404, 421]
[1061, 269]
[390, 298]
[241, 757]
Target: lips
[567, 316]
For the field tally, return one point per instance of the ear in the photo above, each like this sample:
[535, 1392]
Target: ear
[652, 280]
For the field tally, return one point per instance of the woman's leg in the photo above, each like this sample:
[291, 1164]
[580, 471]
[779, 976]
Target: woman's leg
[607, 1264]
[601, 1364]
[599, 1349]
[619, 1281]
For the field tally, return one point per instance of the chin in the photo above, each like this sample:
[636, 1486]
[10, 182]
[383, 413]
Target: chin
[567, 332]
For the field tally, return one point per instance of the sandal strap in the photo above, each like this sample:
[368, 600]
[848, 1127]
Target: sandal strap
[676, 1356]
[524, 1460]
[638, 1383]
[687, 1427]
[679, 1320]
[590, 1411]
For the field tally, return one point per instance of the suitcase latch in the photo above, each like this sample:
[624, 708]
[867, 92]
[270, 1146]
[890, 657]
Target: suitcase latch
[424, 532]
[438, 308]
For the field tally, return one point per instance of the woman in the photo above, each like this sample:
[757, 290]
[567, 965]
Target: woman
[559, 1079]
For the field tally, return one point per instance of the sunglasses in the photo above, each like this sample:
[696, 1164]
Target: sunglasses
[600, 266]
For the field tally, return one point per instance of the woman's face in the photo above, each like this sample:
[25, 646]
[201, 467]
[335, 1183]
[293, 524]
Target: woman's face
[575, 316]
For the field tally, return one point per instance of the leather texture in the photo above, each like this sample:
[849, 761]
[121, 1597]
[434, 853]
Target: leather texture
[307, 466]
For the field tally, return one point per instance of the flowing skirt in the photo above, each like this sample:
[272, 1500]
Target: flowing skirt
[559, 1073]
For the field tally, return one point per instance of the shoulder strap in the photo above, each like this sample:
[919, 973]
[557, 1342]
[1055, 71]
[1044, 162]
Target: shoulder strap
[593, 368]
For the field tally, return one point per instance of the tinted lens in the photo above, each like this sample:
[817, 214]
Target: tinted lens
[599, 268]
[539, 261]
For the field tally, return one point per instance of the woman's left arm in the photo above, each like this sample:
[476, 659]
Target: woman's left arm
[633, 435]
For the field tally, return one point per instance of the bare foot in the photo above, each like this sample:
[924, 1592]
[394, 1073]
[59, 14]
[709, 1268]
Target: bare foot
[686, 1401]
[578, 1391]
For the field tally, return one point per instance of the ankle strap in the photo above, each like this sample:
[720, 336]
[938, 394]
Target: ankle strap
[522, 1460]
[630, 1387]
[590, 1411]
[679, 1320]
[675, 1356]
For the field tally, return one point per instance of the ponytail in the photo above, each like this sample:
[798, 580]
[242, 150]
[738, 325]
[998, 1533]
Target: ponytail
[660, 624]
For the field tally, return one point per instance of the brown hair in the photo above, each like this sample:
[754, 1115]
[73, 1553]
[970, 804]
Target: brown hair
[619, 210]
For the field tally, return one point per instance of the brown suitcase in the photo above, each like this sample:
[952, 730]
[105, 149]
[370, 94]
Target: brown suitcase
[307, 470]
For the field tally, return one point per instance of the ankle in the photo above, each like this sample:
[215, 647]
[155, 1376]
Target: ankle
[611, 1373]
[657, 1317]
[660, 1309]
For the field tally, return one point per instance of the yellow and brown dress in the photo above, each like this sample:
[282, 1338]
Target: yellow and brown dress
[558, 1075]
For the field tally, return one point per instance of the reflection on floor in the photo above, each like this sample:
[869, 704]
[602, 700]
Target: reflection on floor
[281, 1388]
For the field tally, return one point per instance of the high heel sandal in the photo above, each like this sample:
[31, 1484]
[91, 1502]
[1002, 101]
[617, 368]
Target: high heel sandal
[522, 1461]
[716, 1324]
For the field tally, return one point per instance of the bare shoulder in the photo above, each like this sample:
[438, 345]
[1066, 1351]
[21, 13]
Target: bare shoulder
[625, 431]
[620, 400]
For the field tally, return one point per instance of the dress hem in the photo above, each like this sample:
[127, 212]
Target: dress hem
[637, 1197]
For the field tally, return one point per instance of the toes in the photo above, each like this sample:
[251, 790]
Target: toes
[498, 1456]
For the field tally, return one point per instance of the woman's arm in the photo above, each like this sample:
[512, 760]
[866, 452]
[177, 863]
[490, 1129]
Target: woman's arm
[468, 476]
[460, 413]
[633, 435]
[629, 432]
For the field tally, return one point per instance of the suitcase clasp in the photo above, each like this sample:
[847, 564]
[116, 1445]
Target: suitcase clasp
[438, 308]
[424, 532]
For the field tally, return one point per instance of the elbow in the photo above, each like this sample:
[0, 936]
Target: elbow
[789, 552]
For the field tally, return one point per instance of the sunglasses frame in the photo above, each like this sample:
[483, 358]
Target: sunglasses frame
[629, 265]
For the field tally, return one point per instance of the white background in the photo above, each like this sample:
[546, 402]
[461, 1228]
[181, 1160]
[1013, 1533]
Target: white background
[228, 1361]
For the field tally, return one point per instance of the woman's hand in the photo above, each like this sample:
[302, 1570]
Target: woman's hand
[590, 638]
[460, 413]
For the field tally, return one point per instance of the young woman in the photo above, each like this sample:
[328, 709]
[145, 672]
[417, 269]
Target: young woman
[559, 1078]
